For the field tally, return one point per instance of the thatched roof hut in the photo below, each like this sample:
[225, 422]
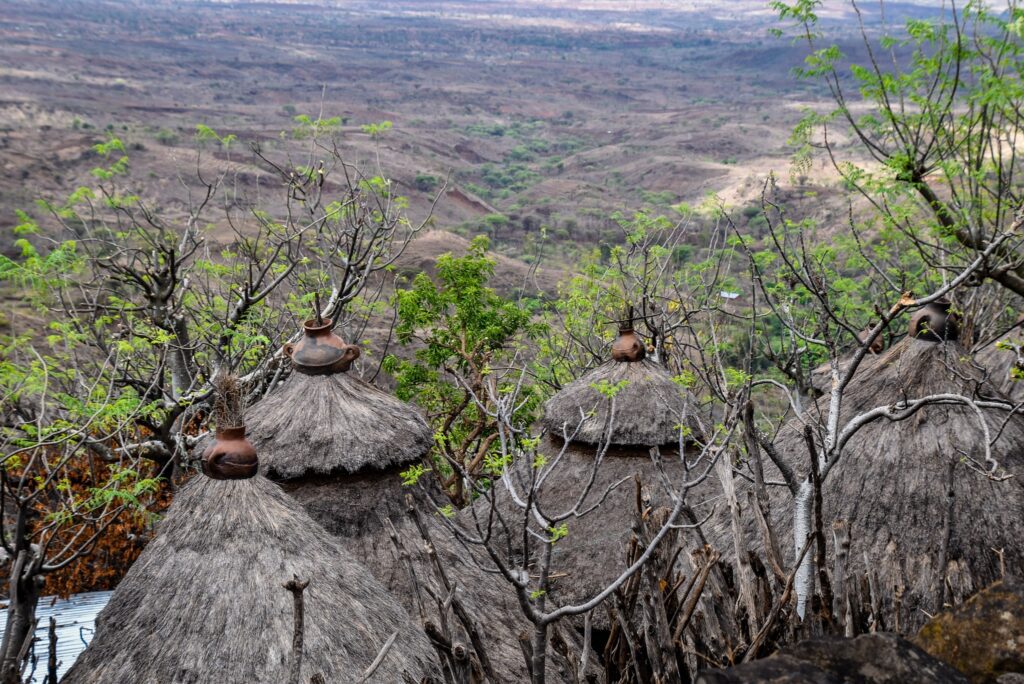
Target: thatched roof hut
[891, 482]
[649, 408]
[205, 602]
[338, 445]
[649, 411]
[354, 441]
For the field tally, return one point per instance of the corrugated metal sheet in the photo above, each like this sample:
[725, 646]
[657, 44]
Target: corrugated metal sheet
[76, 618]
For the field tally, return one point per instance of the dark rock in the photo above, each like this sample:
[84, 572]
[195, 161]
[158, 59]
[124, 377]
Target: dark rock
[778, 669]
[877, 658]
[868, 659]
[982, 637]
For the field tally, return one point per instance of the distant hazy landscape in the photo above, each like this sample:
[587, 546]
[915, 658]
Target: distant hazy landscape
[552, 114]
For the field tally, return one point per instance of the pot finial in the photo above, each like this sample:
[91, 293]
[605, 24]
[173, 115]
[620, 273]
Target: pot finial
[231, 456]
[628, 347]
[935, 322]
[320, 351]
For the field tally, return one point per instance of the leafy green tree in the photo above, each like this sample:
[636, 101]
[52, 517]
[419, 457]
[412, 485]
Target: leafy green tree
[426, 182]
[142, 308]
[469, 341]
[935, 117]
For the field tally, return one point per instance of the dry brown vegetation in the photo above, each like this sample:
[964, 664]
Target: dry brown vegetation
[551, 114]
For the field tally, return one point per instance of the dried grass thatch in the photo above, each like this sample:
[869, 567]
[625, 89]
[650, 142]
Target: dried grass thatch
[344, 425]
[228, 408]
[353, 443]
[354, 509]
[649, 408]
[594, 552]
[890, 484]
[205, 603]
[821, 377]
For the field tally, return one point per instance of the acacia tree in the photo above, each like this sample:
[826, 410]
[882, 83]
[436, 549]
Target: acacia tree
[935, 116]
[810, 295]
[463, 329]
[144, 306]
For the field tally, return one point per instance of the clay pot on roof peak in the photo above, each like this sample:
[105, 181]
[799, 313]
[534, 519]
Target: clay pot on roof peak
[231, 456]
[935, 322]
[628, 347]
[320, 351]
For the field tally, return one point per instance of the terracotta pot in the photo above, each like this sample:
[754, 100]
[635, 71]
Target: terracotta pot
[320, 351]
[878, 346]
[628, 346]
[231, 456]
[935, 323]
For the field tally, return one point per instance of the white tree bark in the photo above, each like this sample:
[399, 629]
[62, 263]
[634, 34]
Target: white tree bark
[802, 528]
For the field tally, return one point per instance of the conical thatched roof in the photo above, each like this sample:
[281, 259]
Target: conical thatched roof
[204, 602]
[649, 408]
[338, 445]
[890, 484]
[340, 425]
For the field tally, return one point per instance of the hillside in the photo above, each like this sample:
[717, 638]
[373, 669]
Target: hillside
[550, 115]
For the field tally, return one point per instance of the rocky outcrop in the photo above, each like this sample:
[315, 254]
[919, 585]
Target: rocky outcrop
[868, 659]
[982, 637]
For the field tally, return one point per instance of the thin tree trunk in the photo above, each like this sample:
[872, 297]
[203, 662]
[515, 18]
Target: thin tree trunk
[801, 530]
[182, 364]
[819, 535]
[51, 662]
[540, 642]
[20, 616]
[840, 601]
[744, 571]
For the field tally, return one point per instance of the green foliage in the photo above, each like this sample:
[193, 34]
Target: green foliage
[425, 182]
[165, 136]
[411, 475]
[608, 389]
[935, 123]
[207, 134]
[663, 198]
[459, 317]
[376, 130]
[558, 532]
[514, 129]
[465, 330]
[308, 127]
[34, 273]
[117, 165]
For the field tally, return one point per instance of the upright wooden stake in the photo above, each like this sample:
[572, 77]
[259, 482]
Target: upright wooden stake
[296, 587]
